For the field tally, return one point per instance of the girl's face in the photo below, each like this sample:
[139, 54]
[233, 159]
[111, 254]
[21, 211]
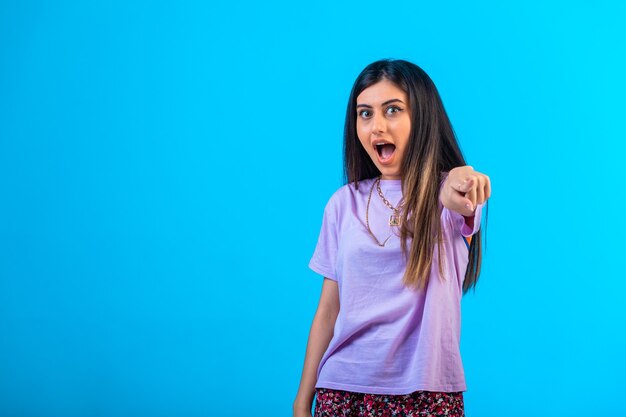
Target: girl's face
[383, 116]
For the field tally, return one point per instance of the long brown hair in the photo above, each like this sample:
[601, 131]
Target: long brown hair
[432, 151]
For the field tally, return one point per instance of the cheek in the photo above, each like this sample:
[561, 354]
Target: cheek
[362, 138]
[360, 132]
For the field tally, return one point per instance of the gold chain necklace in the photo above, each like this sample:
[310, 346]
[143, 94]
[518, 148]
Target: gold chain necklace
[394, 219]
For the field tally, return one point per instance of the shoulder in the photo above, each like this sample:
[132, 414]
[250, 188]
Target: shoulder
[346, 195]
[350, 192]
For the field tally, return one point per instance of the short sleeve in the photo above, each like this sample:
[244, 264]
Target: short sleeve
[457, 220]
[324, 256]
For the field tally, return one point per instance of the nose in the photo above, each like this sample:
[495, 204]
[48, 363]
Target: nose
[378, 123]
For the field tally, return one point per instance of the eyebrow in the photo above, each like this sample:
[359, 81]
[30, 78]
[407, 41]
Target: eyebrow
[385, 103]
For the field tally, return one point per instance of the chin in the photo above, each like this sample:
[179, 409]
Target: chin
[389, 173]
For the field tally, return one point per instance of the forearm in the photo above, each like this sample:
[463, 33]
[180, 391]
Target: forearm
[319, 337]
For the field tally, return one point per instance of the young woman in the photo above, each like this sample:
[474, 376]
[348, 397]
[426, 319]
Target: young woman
[399, 245]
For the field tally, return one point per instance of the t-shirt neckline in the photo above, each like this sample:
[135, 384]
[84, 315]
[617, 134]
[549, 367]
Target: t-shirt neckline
[390, 184]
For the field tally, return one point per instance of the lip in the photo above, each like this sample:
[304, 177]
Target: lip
[387, 161]
[374, 142]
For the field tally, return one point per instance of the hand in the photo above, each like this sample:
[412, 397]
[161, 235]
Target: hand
[464, 189]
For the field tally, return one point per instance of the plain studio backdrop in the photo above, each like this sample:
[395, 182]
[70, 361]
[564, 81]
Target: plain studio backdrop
[164, 169]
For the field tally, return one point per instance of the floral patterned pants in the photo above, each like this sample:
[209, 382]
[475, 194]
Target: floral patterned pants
[338, 403]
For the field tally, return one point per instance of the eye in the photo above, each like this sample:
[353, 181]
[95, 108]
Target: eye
[394, 107]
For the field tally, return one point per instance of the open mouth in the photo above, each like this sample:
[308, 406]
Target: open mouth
[385, 151]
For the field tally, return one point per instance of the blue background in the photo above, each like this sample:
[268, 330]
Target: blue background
[163, 173]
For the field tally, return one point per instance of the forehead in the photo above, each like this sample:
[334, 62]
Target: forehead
[380, 92]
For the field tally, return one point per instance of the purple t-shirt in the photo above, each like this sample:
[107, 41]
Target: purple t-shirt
[389, 339]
